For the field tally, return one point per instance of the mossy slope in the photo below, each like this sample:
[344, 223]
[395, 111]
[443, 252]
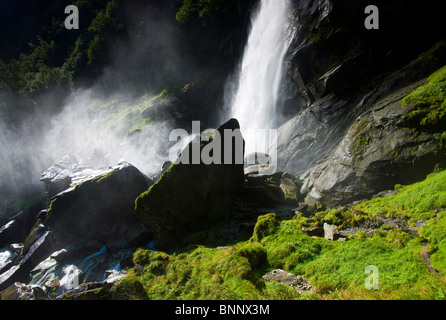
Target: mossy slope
[335, 269]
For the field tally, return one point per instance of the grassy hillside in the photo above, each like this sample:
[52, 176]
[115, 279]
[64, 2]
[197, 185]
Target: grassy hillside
[335, 269]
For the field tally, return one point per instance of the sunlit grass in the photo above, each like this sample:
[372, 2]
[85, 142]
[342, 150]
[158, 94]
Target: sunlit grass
[335, 269]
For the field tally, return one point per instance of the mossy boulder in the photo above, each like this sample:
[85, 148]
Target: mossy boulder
[129, 288]
[265, 226]
[145, 257]
[190, 198]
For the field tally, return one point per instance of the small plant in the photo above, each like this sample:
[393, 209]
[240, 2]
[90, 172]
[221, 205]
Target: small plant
[359, 146]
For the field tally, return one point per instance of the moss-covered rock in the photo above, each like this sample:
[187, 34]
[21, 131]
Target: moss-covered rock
[189, 198]
[129, 288]
[255, 254]
[265, 226]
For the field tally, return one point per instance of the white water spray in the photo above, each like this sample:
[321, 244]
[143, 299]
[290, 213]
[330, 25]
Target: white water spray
[257, 92]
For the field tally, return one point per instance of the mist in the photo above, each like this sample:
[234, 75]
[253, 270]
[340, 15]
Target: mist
[102, 124]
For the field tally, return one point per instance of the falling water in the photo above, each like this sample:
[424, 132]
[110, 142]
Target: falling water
[257, 92]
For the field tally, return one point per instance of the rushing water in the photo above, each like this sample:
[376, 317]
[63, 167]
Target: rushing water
[257, 92]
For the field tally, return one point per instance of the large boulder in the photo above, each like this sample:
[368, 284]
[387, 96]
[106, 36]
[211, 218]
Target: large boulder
[93, 220]
[189, 198]
[99, 209]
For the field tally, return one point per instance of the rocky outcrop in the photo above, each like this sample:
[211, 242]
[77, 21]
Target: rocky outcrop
[375, 154]
[101, 207]
[89, 227]
[345, 139]
[191, 197]
[313, 231]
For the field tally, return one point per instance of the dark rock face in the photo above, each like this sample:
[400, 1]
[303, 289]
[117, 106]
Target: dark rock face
[101, 208]
[15, 229]
[345, 140]
[191, 197]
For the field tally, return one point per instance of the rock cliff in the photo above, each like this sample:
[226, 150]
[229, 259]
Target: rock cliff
[344, 133]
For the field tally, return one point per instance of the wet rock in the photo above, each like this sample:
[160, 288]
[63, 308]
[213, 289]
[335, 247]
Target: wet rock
[64, 271]
[20, 291]
[16, 247]
[6, 233]
[255, 159]
[350, 94]
[111, 289]
[258, 169]
[26, 261]
[18, 226]
[7, 258]
[58, 177]
[165, 166]
[89, 291]
[69, 172]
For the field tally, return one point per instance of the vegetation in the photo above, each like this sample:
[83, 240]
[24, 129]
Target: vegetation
[335, 269]
[205, 10]
[56, 57]
[360, 145]
[416, 201]
[428, 104]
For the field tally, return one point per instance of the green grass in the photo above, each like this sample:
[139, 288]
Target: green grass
[416, 201]
[335, 269]
[429, 104]
[434, 232]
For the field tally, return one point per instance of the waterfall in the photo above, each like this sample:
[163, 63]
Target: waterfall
[256, 96]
